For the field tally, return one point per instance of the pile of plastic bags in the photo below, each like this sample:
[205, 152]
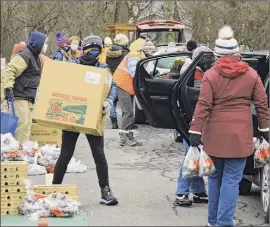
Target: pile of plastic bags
[262, 152]
[41, 206]
[197, 163]
[41, 160]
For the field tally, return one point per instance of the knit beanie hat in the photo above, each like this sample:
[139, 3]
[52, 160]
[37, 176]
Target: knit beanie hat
[73, 38]
[92, 41]
[121, 39]
[226, 43]
[61, 40]
[191, 45]
[18, 47]
[108, 41]
[200, 49]
[148, 47]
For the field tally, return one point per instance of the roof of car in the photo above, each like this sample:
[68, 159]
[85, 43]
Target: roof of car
[161, 25]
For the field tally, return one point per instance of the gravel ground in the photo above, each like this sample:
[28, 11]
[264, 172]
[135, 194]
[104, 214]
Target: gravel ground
[144, 180]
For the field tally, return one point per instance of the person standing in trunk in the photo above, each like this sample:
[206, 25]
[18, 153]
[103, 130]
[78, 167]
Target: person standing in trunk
[21, 78]
[92, 47]
[114, 57]
[123, 77]
[222, 122]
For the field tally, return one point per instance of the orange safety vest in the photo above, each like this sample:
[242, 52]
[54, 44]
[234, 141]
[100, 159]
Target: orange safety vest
[121, 76]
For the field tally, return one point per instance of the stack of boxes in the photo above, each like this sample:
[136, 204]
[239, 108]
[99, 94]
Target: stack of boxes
[12, 186]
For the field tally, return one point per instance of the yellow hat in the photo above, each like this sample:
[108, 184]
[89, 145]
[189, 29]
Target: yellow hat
[72, 38]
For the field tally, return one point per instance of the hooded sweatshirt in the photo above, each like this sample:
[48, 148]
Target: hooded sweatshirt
[115, 55]
[23, 71]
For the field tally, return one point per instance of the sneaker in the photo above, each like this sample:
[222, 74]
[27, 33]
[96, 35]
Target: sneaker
[114, 122]
[134, 126]
[182, 200]
[123, 138]
[132, 141]
[200, 198]
[107, 197]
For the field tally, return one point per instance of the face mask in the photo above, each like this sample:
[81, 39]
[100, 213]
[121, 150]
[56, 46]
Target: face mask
[74, 47]
[94, 53]
[44, 48]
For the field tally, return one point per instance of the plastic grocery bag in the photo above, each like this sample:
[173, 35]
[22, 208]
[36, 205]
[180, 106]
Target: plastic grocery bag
[9, 121]
[262, 152]
[206, 164]
[30, 148]
[35, 169]
[8, 143]
[76, 167]
[191, 163]
[50, 150]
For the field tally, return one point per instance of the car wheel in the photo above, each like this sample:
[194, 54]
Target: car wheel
[265, 191]
[177, 137]
[245, 186]
[139, 116]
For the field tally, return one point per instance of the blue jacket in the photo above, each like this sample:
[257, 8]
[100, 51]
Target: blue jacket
[113, 91]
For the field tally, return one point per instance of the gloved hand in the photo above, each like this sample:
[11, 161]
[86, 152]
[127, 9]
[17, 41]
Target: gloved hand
[107, 105]
[195, 140]
[265, 135]
[9, 94]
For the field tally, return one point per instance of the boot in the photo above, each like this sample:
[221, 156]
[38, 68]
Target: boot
[107, 197]
[123, 138]
[114, 123]
[200, 198]
[131, 141]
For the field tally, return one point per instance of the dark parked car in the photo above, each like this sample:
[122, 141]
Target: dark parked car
[170, 103]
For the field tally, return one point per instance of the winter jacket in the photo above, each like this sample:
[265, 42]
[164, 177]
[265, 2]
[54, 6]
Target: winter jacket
[125, 72]
[73, 55]
[223, 115]
[102, 56]
[59, 55]
[88, 60]
[115, 55]
[23, 72]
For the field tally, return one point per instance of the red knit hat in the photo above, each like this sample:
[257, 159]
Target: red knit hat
[18, 47]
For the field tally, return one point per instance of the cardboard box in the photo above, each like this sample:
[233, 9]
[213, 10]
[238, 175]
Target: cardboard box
[12, 182]
[13, 189]
[46, 135]
[13, 175]
[12, 197]
[7, 211]
[49, 189]
[70, 97]
[16, 166]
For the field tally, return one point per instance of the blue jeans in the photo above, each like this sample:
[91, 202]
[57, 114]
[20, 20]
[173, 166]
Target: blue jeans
[187, 185]
[223, 189]
[113, 113]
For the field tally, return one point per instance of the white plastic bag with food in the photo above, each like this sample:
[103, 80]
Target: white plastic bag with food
[50, 150]
[76, 167]
[262, 152]
[191, 163]
[206, 164]
[30, 148]
[35, 169]
[8, 143]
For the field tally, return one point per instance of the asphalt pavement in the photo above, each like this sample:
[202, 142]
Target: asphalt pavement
[144, 181]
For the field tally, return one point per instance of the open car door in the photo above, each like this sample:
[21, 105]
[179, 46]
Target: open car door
[153, 82]
[185, 95]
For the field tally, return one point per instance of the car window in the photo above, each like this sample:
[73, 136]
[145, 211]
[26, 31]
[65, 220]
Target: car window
[166, 68]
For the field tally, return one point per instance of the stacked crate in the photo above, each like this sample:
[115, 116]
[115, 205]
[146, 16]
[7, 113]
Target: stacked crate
[69, 190]
[13, 189]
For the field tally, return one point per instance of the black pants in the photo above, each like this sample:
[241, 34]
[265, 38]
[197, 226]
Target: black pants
[69, 140]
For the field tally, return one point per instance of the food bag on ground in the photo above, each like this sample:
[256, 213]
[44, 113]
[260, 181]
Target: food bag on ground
[191, 162]
[9, 143]
[35, 169]
[76, 167]
[76, 104]
[206, 164]
[30, 148]
[50, 150]
[262, 152]
[41, 206]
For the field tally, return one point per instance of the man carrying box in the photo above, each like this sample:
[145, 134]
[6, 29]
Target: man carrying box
[92, 47]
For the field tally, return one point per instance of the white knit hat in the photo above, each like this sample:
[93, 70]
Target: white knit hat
[107, 41]
[148, 47]
[121, 39]
[226, 44]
